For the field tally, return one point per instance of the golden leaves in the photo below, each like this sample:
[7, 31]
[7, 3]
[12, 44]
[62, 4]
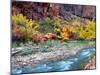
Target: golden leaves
[88, 31]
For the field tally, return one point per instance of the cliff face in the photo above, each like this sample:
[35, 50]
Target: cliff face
[36, 10]
[80, 10]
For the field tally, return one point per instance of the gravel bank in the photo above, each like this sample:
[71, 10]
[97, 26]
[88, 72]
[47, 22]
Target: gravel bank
[44, 57]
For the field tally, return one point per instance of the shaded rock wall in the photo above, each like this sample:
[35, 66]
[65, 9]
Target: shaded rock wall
[36, 10]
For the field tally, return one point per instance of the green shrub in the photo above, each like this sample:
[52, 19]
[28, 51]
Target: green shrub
[46, 25]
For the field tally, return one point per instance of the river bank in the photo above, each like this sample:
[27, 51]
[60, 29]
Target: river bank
[91, 64]
[60, 53]
[69, 63]
[40, 58]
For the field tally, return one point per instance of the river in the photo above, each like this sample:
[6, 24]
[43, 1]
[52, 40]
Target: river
[67, 64]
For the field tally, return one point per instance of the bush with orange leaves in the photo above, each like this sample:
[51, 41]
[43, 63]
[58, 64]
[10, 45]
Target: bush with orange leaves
[17, 32]
[39, 37]
[65, 33]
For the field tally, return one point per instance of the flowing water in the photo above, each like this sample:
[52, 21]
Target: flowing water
[71, 63]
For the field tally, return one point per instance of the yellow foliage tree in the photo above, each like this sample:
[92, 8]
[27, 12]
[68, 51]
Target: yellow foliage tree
[28, 25]
[88, 32]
